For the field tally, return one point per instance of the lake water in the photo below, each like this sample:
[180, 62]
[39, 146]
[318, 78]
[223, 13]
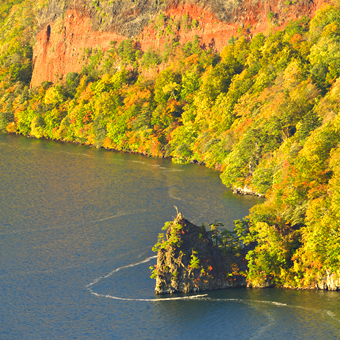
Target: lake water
[76, 229]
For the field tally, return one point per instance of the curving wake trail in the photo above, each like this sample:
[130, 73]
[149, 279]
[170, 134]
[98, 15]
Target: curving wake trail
[118, 269]
[202, 297]
[89, 286]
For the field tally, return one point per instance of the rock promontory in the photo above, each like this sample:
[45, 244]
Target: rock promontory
[193, 259]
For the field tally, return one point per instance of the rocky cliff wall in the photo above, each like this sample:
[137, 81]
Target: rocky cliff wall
[66, 28]
[326, 281]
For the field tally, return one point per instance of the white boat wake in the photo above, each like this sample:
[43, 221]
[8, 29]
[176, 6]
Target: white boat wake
[90, 285]
[201, 297]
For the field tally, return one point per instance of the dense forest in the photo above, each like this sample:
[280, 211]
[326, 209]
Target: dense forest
[264, 112]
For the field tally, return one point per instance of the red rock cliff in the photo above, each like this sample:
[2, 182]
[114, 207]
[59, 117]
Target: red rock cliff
[65, 28]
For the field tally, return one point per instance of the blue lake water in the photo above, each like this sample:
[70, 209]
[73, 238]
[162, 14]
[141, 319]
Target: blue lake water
[77, 226]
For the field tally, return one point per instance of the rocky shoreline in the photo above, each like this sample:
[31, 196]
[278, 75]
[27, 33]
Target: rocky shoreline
[246, 191]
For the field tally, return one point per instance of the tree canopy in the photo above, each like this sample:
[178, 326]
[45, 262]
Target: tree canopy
[265, 111]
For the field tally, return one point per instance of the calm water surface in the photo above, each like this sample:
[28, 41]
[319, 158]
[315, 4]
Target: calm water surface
[76, 228]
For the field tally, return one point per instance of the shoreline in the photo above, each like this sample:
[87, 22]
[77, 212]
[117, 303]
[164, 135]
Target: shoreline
[329, 280]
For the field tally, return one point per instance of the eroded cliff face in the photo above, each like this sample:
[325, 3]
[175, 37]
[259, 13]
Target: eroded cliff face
[190, 262]
[329, 281]
[326, 281]
[67, 28]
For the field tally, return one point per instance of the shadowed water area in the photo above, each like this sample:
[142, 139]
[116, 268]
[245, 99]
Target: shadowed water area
[77, 226]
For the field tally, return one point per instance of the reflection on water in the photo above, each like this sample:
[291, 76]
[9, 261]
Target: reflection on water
[76, 228]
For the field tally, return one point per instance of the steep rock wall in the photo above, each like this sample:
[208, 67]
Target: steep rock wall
[326, 281]
[66, 28]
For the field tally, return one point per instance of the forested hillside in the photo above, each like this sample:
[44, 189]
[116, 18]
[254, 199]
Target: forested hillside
[264, 111]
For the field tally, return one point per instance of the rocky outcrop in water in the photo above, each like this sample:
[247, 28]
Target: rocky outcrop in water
[189, 261]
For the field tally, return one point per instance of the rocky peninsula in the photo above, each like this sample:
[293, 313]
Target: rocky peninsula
[192, 259]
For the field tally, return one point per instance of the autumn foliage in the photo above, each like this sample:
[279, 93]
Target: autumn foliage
[265, 111]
